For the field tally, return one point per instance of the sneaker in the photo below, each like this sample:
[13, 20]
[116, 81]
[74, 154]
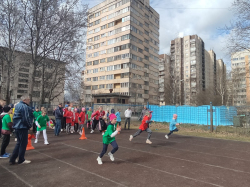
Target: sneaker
[26, 162]
[102, 133]
[131, 138]
[46, 143]
[4, 156]
[71, 132]
[148, 141]
[36, 140]
[111, 156]
[166, 136]
[8, 154]
[80, 132]
[99, 160]
[15, 139]
[92, 131]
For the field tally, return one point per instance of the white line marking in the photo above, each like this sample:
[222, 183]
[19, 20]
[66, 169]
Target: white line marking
[17, 176]
[210, 165]
[81, 168]
[150, 167]
[199, 152]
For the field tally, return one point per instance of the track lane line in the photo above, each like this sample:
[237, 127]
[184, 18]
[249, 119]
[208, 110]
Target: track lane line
[185, 177]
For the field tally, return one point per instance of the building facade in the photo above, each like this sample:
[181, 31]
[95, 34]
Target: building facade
[164, 79]
[192, 68]
[122, 51]
[240, 76]
[20, 77]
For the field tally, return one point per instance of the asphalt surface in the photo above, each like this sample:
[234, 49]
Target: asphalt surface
[180, 161]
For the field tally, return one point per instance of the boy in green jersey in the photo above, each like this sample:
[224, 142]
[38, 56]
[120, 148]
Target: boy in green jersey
[109, 138]
[41, 123]
[36, 113]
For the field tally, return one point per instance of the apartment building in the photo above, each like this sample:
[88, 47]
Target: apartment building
[21, 77]
[122, 51]
[194, 70]
[240, 78]
[164, 79]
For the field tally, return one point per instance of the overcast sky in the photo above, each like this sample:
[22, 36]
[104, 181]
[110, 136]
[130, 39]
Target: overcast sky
[201, 17]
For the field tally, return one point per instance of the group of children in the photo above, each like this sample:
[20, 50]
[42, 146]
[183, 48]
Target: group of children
[75, 121]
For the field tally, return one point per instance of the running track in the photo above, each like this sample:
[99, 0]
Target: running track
[180, 161]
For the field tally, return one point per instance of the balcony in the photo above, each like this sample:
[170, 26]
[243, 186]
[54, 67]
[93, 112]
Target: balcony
[193, 49]
[162, 73]
[193, 75]
[192, 41]
[161, 68]
[161, 89]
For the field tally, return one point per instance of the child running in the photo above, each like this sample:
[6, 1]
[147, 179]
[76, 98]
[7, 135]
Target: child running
[109, 138]
[41, 123]
[172, 126]
[81, 120]
[144, 127]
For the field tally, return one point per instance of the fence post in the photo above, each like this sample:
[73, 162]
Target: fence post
[211, 117]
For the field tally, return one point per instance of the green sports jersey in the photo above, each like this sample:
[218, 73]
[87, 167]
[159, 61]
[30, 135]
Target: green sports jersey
[6, 119]
[107, 139]
[89, 113]
[42, 121]
[36, 114]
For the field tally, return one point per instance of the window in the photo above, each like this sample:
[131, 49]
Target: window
[146, 57]
[145, 40]
[95, 70]
[125, 85]
[96, 54]
[146, 24]
[146, 49]
[116, 67]
[103, 27]
[95, 78]
[23, 69]
[23, 75]
[109, 86]
[111, 24]
[36, 94]
[87, 87]
[88, 79]
[101, 86]
[96, 62]
[125, 75]
[146, 83]
[23, 80]
[22, 91]
[95, 87]
[103, 43]
[103, 60]
[146, 66]
[102, 78]
[89, 63]
[103, 52]
[110, 68]
[102, 69]
[109, 77]
[140, 50]
[89, 71]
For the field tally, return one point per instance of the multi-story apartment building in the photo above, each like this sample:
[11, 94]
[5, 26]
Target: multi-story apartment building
[122, 51]
[164, 79]
[20, 78]
[240, 90]
[193, 69]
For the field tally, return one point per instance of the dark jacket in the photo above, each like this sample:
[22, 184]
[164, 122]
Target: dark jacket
[23, 116]
[58, 113]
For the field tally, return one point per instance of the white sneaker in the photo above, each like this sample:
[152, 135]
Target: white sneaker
[131, 138]
[99, 160]
[61, 130]
[111, 156]
[148, 141]
[102, 133]
[71, 132]
[92, 131]
[166, 136]
[46, 143]
[15, 139]
[80, 132]
[36, 140]
[26, 162]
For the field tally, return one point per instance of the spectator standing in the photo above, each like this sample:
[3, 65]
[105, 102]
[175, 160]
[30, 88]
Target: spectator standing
[58, 112]
[23, 121]
[128, 114]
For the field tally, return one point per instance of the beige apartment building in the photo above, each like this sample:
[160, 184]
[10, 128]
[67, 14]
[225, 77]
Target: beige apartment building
[122, 51]
[21, 77]
[164, 79]
[192, 68]
[240, 78]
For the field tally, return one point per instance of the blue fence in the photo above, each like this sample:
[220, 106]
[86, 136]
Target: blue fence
[222, 115]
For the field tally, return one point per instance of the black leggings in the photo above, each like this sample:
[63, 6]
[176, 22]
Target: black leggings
[105, 148]
[95, 122]
[76, 127]
[175, 130]
[5, 143]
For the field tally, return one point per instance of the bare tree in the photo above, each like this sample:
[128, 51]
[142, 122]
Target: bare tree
[222, 86]
[54, 29]
[11, 32]
[239, 29]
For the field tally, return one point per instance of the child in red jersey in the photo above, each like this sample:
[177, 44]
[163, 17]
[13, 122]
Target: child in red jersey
[82, 118]
[144, 127]
[69, 117]
[76, 120]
